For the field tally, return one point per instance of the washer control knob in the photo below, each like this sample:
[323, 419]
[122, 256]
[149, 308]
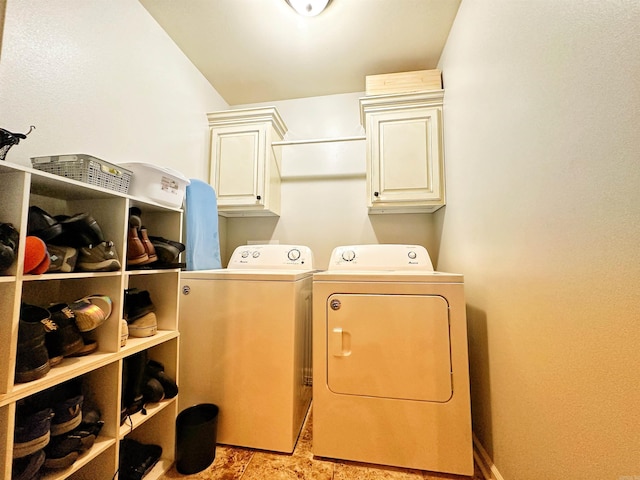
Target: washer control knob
[412, 255]
[293, 254]
[245, 254]
[256, 254]
[348, 255]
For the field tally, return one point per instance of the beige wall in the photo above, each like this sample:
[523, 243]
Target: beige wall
[101, 78]
[542, 136]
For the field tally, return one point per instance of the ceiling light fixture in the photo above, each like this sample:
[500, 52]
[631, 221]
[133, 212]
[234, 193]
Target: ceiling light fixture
[308, 8]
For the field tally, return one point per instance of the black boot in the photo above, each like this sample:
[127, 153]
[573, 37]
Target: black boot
[133, 397]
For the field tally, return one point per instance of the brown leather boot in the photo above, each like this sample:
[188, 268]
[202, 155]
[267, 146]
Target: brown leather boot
[148, 246]
[136, 253]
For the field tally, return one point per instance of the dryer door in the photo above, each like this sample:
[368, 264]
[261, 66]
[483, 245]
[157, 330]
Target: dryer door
[389, 346]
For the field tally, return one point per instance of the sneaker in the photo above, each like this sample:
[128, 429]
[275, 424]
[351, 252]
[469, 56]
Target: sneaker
[42, 225]
[168, 251]
[32, 432]
[27, 468]
[137, 303]
[66, 399]
[91, 311]
[63, 259]
[9, 237]
[124, 332]
[68, 415]
[32, 360]
[89, 316]
[69, 336]
[78, 231]
[64, 449]
[89, 347]
[137, 459]
[145, 326]
[155, 370]
[99, 258]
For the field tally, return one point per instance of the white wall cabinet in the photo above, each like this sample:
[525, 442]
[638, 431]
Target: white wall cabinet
[405, 161]
[245, 172]
[100, 371]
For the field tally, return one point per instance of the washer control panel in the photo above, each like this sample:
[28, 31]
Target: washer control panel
[271, 256]
[386, 257]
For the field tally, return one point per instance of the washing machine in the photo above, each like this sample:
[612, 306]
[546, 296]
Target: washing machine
[245, 344]
[390, 361]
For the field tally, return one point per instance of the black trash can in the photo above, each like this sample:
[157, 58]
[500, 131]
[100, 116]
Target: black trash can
[196, 438]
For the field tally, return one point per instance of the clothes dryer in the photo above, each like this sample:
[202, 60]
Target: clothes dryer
[245, 344]
[390, 361]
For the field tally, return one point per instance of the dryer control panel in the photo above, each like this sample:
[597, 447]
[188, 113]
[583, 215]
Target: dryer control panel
[386, 257]
[272, 257]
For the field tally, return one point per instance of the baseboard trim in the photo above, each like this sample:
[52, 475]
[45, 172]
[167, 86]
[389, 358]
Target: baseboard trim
[484, 461]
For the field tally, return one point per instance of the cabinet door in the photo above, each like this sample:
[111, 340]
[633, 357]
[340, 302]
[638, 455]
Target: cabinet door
[237, 164]
[406, 158]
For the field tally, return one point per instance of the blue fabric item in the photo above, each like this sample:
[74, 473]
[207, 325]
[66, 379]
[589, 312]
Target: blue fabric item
[203, 241]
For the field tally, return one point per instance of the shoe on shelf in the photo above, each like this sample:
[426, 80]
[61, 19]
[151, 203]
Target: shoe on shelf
[101, 257]
[63, 259]
[32, 359]
[64, 449]
[89, 347]
[78, 231]
[9, 238]
[32, 432]
[137, 303]
[91, 311]
[124, 332]
[66, 400]
[28, 468]
[136, 253]
[137, 459]
[133, 382]
[155, 370]
[148, 245]
[168, 251]
[42, 225]
[145, 326]
[68, 333]
[152, 391]
[36, 257]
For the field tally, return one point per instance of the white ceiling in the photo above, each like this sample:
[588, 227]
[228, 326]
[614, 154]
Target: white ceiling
[255, 51]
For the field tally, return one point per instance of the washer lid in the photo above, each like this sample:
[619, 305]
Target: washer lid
[380, 257]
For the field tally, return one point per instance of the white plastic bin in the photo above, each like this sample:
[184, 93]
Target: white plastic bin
[159, 184]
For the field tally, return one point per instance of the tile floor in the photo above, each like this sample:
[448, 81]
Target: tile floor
[233, 463]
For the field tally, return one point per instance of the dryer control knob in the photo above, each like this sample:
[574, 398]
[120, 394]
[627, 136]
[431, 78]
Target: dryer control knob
[244, 254]
[348, 255]
[412, 255]
[293, 254]
[256, 254]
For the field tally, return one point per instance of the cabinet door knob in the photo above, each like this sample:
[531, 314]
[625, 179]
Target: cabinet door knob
[258, 197]
[376, 194]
